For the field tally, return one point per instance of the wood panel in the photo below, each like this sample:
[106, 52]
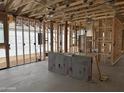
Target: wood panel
[117, 39]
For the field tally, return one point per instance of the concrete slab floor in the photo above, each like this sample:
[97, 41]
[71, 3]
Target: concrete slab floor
[35, 77]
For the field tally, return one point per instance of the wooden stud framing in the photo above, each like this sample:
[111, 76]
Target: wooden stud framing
[51, 33]
[40, 44]
[6, 39]
[29, 40]
[66, 34]
[57, 37]
[44, 50]
[16, 39]
[23, 44]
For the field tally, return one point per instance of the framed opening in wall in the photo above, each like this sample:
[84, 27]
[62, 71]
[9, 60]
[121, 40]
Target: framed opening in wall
[20, 37]
[33, 41]
[26, 40]
[12, 44]
[1, 33]
[3, 63]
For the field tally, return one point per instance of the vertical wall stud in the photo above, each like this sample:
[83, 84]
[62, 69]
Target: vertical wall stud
[51, 33]
[6, 33]
[16, 40]
[44, 39]
[66, 37]
[23, 40]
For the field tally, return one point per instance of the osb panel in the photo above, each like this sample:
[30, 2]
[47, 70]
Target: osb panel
[117, 39]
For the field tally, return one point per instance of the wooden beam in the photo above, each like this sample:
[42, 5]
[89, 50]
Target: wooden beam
[6, 39]
[119, 3]
[120, 17]
[82, 13]
[59, 8]
[41, 12]
[8, 4]
[51, 33]
[44, 7]
[57, 37]
[90, 12]
[95, 18]
[73, 7]
[66, 37]
[20, 9]
[44, 41]
[32, 10]
[19, 4]
[90, 16]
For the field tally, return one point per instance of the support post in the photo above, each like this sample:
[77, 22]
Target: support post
[57, 37]
[22, 22]
[40, 22]
[51, 31]
[61, 41]
[15, 17]
[44, 40]
[35, 42]
[66, 36]
[6, 33]
[29, 39]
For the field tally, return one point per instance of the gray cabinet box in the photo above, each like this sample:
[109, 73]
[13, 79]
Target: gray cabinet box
[51, 61]
[79, 67]
[59, 63]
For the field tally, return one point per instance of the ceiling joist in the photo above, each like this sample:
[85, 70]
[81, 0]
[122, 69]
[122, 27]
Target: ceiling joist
[64, 9]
